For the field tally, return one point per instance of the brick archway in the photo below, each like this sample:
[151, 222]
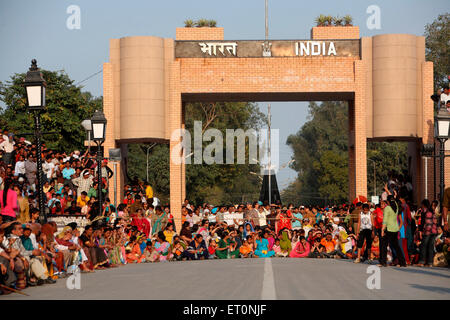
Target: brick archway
[148, 80]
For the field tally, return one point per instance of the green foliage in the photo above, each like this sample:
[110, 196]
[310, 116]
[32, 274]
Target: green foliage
[223, 182]
[333, 178]
[189, 23]
[348, 20]
[323, 20]
[216, 183]
[320, 20]
[321, 153]
[387, 157]
[437, 41]
[338, 21]
[66, 107]
[202, 23]
[329, 20]
[325, 131]
[158, 167]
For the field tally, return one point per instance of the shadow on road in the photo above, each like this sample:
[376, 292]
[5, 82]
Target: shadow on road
[423, 271]
[431, 288]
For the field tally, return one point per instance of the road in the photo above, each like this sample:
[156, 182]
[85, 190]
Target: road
[249, 279]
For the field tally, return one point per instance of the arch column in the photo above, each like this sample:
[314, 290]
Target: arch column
[175, 122]
[358, 135]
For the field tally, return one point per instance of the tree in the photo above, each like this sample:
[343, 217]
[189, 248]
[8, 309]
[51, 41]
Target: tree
[66, 107]
[437, 42]
[321, 153]
[326, 130]
[215, 183]
[333, 180]
[387, 157]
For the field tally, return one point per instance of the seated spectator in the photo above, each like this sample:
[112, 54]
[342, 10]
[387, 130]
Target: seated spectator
[197, 249]
[246, 250]
[262, 247]
[301, 250]
[162, 247]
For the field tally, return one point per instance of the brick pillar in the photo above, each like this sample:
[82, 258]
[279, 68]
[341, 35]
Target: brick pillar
[351, 151]
[360, 151]
[176, 170]
[427, 131]
[108, 110]
[183, 165]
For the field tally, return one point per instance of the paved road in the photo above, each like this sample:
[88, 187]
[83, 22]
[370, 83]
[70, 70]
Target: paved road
[248, 279]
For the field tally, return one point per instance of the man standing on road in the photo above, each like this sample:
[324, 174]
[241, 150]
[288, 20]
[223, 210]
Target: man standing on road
[389, 232]
[364, 231]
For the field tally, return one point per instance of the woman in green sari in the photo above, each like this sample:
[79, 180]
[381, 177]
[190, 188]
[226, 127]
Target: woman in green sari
[223, 246]
[159, 220]
[285, 241]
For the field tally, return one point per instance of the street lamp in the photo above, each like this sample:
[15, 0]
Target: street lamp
[374, 176]
[98, 123]
[35, 89]
[442, 133]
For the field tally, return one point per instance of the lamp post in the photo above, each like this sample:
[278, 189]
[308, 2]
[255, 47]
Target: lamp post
[98, 123]
[148, 149]
[35, 89]
[442, 133]
[374, 177]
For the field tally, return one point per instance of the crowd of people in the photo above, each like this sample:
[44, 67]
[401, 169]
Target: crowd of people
[141, 230]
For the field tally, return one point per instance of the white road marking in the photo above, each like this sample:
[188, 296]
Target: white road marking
[268, 289]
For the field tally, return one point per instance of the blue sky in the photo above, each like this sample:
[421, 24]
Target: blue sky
[37, 29]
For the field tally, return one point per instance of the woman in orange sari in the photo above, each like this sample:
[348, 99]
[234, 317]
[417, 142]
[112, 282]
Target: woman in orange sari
[284, 221]
[135, 255]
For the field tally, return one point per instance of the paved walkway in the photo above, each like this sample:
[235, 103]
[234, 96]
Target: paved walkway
[248, 279]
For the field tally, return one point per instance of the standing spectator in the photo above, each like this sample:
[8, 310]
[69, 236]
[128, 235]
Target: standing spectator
[7, 146]
[364, 231]
[8, 201]
[48, 167]
[84, 182]
[389, 232]
[377, 220]
[427, 233]
[30, 171]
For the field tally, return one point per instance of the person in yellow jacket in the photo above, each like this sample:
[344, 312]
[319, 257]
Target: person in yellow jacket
[148, 191]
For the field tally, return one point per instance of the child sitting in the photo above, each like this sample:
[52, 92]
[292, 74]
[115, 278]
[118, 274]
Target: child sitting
[246, 249]
[150, 254]
[375, 249]
[177, 249]
[212, 249]
[277, 248]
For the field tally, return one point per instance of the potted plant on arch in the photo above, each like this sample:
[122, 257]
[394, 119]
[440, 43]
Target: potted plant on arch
[202, 23]
[348, 20]
[338, 21]
[329, 21]
[320, 20]
[189, 23]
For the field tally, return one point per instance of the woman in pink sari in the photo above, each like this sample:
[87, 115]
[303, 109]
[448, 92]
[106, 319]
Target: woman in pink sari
[162, 247]
[301, 249]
